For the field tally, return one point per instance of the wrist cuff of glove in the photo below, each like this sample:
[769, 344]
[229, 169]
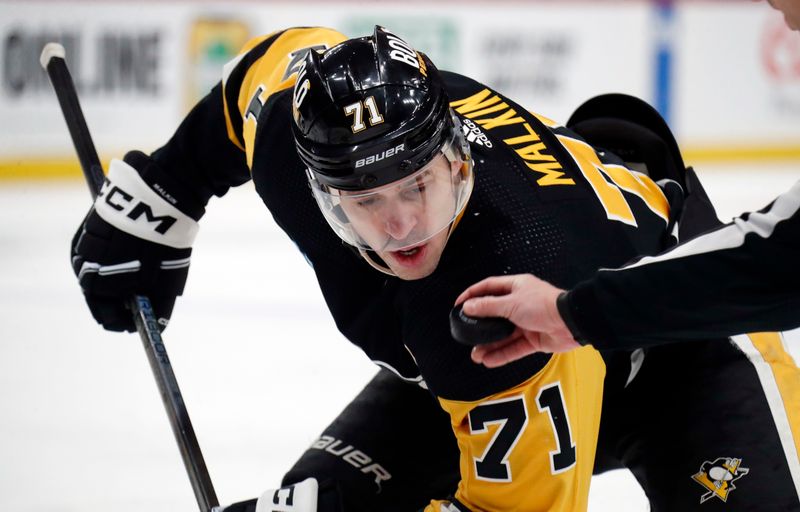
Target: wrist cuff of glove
[167, 186]
[150, 212]
[300, 497]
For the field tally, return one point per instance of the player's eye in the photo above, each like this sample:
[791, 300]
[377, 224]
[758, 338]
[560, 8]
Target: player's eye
[413, 192]
[417, 187]
[368, 203]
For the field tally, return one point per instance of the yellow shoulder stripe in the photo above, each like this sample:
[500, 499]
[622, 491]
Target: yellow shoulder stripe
[266, 66]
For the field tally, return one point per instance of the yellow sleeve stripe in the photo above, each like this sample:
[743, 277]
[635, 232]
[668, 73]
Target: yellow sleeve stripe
[608, 181]
[226, 73]
[643, 186]
[268, 66]
[233, 73]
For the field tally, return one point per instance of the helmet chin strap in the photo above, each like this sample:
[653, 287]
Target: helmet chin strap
[374, 264]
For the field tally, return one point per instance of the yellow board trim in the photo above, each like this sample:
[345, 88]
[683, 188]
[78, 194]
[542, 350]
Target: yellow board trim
[59, 167]
[783, 153]
[42, 169]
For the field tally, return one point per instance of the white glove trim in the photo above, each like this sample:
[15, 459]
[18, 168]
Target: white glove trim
[125, 192]
[173, 264]
[89, 267]
[300, 497]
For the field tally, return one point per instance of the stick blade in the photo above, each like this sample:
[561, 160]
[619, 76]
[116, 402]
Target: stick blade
[50, 51]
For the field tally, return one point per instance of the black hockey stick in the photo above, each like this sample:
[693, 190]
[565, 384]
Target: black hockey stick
[53, 61]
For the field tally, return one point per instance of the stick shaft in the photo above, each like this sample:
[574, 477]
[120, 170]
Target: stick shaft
[54, 63]
[171, 397]
[64, 87]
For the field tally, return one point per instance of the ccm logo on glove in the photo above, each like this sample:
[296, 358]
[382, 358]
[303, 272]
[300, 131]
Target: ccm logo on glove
[122, 201]
[129, 204]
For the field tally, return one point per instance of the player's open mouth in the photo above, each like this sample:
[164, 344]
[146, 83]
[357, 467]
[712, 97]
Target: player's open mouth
[410, 257]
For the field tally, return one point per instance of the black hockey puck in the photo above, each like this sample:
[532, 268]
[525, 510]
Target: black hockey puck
[478, 331]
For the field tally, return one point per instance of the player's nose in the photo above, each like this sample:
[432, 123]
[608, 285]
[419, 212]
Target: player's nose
[400, 222]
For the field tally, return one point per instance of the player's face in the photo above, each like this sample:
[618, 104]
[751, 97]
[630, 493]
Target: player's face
[790, 10]
[403, 223]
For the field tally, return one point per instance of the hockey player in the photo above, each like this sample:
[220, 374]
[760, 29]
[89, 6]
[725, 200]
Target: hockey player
[381, 136]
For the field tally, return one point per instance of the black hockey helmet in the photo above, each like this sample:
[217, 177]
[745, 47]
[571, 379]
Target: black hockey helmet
[370, 117]
[370, 111]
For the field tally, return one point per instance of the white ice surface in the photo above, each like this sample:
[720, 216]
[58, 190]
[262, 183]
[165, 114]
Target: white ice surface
[260, 364]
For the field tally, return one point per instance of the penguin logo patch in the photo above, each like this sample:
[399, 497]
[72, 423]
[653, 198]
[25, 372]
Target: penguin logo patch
[717, 477]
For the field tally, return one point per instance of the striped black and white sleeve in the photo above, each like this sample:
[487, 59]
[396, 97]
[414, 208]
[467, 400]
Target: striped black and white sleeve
[741, 277]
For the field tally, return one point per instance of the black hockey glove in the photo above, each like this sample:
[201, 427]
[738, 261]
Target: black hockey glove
[136, 239]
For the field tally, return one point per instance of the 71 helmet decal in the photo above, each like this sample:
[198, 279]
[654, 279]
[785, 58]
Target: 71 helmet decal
[357, 111]
[718, 477]
[401, 52]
